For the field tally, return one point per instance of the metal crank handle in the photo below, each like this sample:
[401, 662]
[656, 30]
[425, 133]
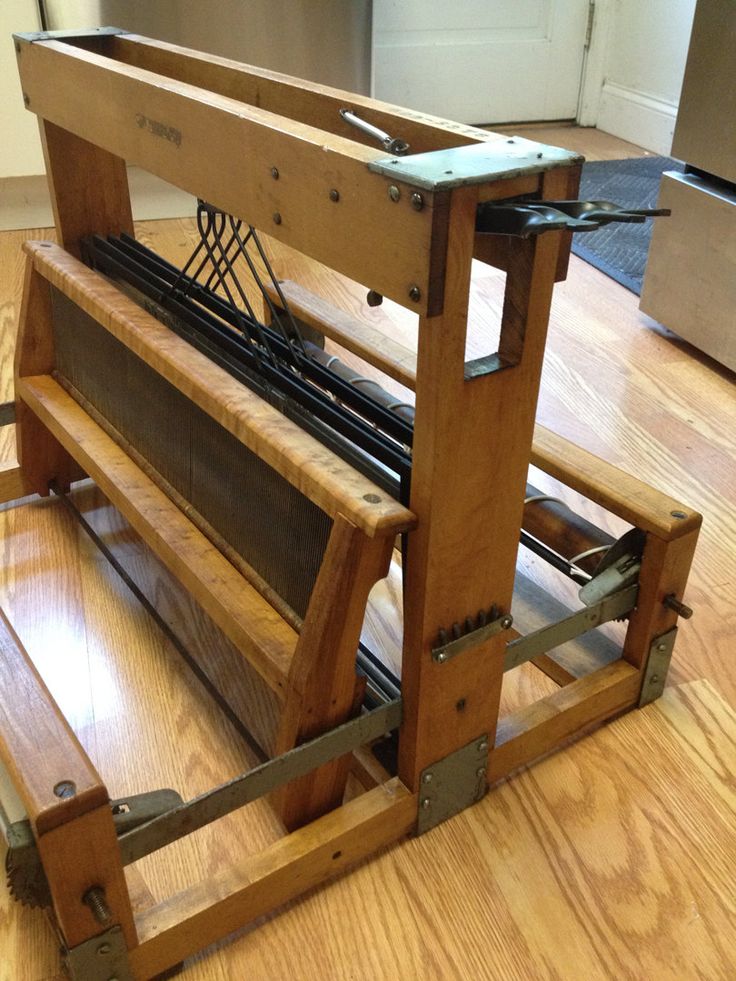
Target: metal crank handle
[389, 143]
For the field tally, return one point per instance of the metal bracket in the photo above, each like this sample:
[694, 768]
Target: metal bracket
[101, 958]
[452, 784]
[68, 35]
[658, 664]
[474, 635]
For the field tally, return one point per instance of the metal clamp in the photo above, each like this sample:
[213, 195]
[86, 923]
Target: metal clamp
[486, 625]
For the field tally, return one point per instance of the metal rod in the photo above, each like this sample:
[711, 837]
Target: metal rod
[547, 638]
[247, 787]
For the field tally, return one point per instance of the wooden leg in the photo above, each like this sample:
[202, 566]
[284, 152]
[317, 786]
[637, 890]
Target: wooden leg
[89, 188]
[40, 456]
[664, 571]
[322, 682]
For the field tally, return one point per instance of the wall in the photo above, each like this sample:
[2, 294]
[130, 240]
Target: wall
[20, 146]
[644, 62]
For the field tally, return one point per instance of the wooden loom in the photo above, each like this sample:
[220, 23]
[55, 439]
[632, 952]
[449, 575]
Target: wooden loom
[407, 226]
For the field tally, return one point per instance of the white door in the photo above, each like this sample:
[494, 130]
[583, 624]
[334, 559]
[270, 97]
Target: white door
[481, 61]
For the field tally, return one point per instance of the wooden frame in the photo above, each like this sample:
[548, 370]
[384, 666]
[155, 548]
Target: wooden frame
[165, 108]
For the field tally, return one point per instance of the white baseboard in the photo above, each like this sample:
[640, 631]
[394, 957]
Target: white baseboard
[637, 117]
[25, 202]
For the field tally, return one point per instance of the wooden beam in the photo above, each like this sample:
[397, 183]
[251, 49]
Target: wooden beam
[184, 924]
[544, 725]
[614, 489]
[313, 469]
[225, 151]
[322, 680]
[37, 745]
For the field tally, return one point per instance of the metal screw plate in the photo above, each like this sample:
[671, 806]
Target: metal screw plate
[658, 663]
[452, 784]
[100, 958]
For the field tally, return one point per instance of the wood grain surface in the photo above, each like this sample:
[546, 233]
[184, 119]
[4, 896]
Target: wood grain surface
[611, 859]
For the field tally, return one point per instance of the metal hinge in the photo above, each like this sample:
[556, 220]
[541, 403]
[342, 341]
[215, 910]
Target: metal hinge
[589, 26]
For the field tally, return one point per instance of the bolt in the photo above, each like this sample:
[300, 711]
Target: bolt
[394, 193]
[483, 746]
[95, 899]
[334, 194]
[276, 218]
[417, 201]
[426, 802]
[427, 778]
[65, 789]
[275, 173]
[415, 293]
[681, 609]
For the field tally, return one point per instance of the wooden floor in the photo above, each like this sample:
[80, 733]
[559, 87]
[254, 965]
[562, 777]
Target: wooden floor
[612, 859]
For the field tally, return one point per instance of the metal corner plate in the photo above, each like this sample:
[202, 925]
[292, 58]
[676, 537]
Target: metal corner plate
[100, 959]
[658, 664]
[478, 163]
[69, 35]
[452, 784]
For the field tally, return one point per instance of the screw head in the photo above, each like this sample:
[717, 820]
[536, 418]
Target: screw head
[661, 648]
[507, 621]
[417, 201]
[480, 772]
[427, 778]
[334, 194]
[426, 802]
[275, 173]
[482, 745]
[372, 498]
[394, 193]
[374, 299]
[276, 218]
[442, 657]
[104, 949]
[415, 293]
[678, 514]
[654, 679]
[65, 789]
